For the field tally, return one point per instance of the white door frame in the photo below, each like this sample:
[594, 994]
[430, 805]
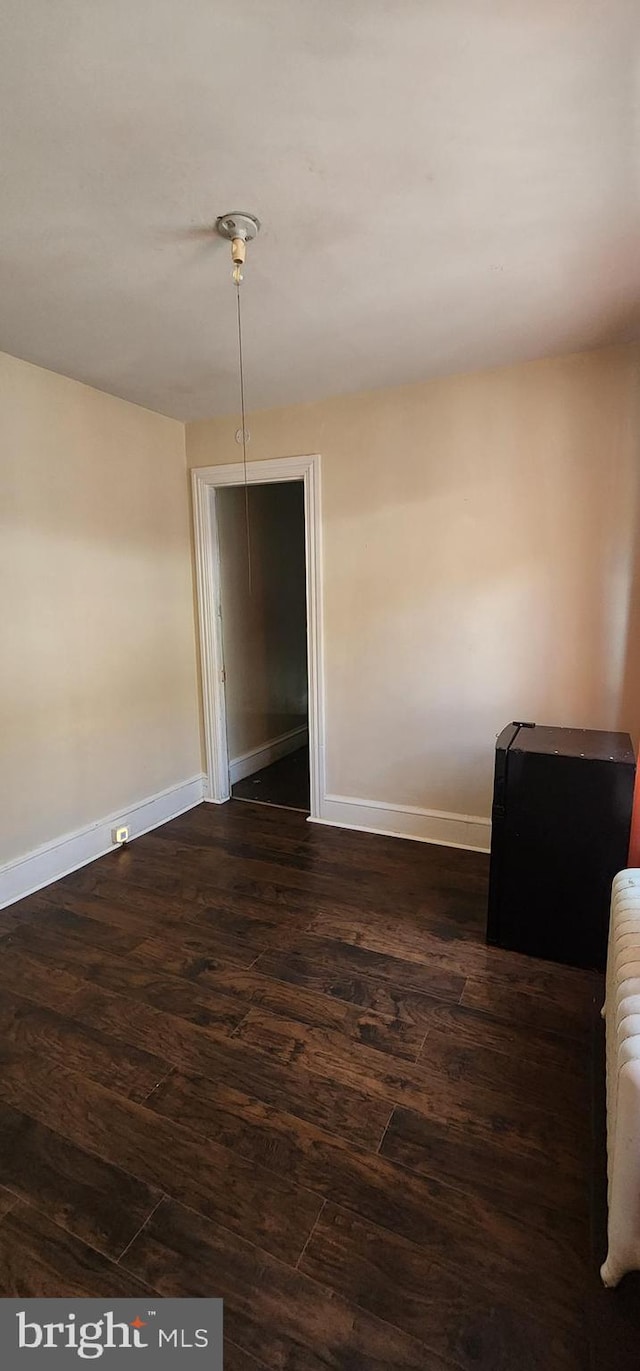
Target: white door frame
[205, 482]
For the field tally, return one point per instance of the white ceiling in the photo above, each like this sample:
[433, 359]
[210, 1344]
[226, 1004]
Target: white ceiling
[443, 184]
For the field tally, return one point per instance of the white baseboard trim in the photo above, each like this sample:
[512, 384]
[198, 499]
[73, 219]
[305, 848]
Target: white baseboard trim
[58, 858]
[469, 831]
[268, 752]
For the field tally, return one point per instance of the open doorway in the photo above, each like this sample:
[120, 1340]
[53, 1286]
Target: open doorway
[264, 642]
[209, 485]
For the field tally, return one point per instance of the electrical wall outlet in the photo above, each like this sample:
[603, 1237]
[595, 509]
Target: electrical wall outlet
[120, 835]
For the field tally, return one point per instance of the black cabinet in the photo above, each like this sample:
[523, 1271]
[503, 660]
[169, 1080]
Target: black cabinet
[561, 818]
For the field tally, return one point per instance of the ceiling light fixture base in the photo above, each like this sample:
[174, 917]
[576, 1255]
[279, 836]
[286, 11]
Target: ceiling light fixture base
[238, 224]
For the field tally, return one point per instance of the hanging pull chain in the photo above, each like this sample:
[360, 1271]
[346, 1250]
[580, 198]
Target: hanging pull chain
[244, 435]
[240, 228]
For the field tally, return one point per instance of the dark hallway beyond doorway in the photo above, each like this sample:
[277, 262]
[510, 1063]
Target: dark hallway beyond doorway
[284, 783]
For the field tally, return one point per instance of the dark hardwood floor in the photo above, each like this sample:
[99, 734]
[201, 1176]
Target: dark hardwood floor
[253, 1057]
[284, 783]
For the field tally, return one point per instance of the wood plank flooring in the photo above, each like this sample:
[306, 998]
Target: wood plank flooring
[285, 783]
[255, 1057]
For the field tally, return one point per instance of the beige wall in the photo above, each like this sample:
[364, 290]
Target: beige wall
[264, 628]
[481, 559]
[97, 684]
[480, 536]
